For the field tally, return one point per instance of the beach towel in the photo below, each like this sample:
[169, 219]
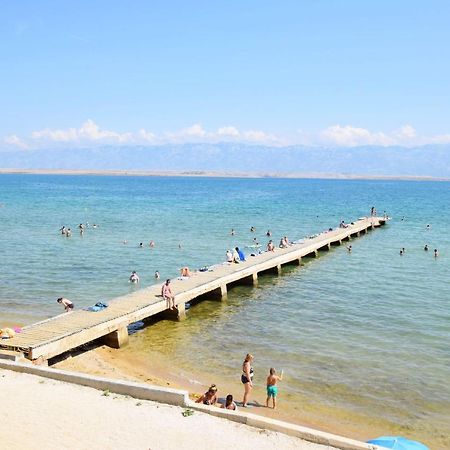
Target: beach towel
[99, 306]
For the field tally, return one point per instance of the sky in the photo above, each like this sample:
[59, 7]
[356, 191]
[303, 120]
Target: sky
[307, 72]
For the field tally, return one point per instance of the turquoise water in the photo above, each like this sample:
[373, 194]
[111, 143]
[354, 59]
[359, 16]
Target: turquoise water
[367, 331]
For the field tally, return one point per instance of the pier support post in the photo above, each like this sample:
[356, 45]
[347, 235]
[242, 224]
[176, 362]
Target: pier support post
[299, 261]
[178, 313]
[181, 311]
[278, 269]
[316, 253]
[220, 293]
[117, 338]
[255, 278]
[223, 292]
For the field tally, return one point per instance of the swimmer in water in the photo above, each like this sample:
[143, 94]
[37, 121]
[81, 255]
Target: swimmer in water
[232, 232]
[157, 276]
[436, 253]
[141, 245]
[269, 233]
[151, 243]
[134, 277]
[426, 247]
[252, 229]
[349, 248]
[68, 232]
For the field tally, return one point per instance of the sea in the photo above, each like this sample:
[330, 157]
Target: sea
[362, 337]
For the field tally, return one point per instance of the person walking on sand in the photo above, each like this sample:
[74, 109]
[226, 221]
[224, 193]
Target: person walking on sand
[68, 305]
[272, 388]
[167, 294]
[246, 378]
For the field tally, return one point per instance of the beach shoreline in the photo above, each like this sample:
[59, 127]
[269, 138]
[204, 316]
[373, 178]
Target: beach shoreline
[156, 369]
[60, 413]
[213, 174]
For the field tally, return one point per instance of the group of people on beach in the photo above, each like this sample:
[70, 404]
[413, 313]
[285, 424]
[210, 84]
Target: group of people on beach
[210, 396]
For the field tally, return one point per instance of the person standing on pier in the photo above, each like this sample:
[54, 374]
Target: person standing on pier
[167, 294]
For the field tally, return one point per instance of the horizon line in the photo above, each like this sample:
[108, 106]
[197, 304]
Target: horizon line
[213, 174]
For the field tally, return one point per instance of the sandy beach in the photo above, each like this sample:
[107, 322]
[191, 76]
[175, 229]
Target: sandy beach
[43, 413]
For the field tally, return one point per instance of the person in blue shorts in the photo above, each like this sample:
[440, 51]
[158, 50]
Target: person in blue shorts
[272, 388]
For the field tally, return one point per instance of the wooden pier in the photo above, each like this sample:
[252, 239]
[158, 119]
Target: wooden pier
[44, 340]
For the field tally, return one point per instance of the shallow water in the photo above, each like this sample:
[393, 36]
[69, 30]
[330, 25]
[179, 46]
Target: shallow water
[367, 332]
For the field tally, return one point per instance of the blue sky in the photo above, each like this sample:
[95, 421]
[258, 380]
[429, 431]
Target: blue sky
[308, 72]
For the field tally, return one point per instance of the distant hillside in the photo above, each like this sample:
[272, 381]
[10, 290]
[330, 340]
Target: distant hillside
[433, 161]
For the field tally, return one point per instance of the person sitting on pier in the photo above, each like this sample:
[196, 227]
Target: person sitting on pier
[270, 247]
[167, 294]
[185, 272]
[7, 333]
[229, 256]
[134, 277]
[236, 258]
[240, 253]
[209, 397]
[283, 243]
[68, 305]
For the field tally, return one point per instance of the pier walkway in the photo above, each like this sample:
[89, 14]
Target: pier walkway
[54, 336]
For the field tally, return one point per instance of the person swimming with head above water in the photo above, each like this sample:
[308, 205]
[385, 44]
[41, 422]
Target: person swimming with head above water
[134, 277]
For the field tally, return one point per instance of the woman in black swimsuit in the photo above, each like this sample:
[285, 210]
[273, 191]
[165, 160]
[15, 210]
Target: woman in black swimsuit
[246, 378]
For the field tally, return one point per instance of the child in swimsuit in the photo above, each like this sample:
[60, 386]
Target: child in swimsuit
[229, 403]
[272, 388]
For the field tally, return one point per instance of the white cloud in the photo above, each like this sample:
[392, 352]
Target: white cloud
[406, 131]
[91, 134]
[15, 141]
[228, 131]
[147, 136]
[89, 131]
[349, 136]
